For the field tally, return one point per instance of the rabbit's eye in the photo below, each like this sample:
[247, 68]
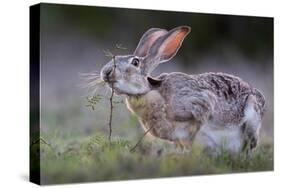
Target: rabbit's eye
[135, 62]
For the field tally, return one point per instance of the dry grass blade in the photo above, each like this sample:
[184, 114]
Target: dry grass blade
[107, 53]
[120, 46]
[140, 140]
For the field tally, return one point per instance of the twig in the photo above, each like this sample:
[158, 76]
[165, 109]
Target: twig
[120, 46]
[110, 116]
[109, 54]
[140, 139]
[38, 141]
[111, 103]
[41, 139]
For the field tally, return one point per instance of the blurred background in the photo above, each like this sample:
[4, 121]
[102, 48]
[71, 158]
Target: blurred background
[73, 39]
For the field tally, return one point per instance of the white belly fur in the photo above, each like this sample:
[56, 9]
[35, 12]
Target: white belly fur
[214, 138]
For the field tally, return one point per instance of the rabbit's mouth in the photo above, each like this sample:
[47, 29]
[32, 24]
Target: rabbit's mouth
[115, 86]
[108, 79]
[110, 82]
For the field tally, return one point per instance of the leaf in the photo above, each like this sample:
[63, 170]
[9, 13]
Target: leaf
[92, 101]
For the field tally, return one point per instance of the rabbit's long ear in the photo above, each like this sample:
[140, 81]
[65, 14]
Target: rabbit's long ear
[165, 47]
[147, 40]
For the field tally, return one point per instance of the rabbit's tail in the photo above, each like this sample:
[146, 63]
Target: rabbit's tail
[260, 101]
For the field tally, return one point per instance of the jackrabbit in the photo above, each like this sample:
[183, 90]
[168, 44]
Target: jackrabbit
[217, 109]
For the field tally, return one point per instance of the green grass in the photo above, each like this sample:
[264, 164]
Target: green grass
[93, 159]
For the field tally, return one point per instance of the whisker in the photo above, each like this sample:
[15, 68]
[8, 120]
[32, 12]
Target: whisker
[99, 89]
[93, 84]
[88, 84]
[90, 77]
[107, 92]
[92, 72]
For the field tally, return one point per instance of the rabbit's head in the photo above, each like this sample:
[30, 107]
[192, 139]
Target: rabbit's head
[129, 74]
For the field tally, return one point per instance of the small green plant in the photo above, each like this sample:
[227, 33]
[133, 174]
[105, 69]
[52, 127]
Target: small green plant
[93, 100]
[94, 159]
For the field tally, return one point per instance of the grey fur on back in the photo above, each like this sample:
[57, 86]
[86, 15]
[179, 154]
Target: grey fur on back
[222, 94]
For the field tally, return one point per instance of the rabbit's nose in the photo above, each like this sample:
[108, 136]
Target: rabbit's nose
[107, 73]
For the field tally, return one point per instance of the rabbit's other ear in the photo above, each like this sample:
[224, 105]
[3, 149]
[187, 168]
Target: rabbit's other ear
[166, 47]
[147, 40]
[154, 82]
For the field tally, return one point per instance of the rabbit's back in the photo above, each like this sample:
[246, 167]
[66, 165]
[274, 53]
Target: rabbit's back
[218, 97]
[231, 91]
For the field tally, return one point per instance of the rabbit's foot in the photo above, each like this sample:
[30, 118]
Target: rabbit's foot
[250, 143]
[253, 143]
[183, 146]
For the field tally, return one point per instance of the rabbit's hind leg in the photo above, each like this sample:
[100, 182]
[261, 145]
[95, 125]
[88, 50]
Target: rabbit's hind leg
[185, 137]
[251, 126]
